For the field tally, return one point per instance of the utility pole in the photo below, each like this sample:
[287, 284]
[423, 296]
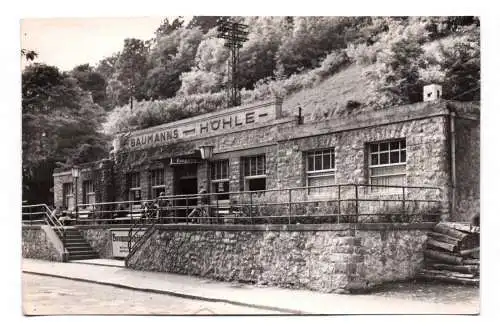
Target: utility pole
[234, 34]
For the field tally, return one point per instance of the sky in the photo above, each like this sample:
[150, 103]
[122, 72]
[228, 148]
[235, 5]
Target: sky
[67, 42]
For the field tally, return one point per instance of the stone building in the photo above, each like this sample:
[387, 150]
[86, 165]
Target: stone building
[262, 147]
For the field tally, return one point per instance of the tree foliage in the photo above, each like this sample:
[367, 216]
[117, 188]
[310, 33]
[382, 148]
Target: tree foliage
[60, 125]
[92, 81]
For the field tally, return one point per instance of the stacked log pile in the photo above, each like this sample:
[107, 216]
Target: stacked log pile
[452, 254]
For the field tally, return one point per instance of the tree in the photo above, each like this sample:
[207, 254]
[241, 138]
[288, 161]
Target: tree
[131, 67]
[60, 125]
[91, 81]
[30, 55]
[205, 23]
[172, 55]
[167, 28]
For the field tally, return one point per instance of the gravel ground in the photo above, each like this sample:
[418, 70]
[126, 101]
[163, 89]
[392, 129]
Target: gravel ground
[430, 292]
[44, 295]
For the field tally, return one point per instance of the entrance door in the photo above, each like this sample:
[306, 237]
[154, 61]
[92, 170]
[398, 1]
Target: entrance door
[185, 183]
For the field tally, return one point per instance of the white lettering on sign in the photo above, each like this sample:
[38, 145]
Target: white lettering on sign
[198, 128]
[120, 238]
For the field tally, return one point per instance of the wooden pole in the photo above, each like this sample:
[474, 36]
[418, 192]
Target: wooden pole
[448, 258]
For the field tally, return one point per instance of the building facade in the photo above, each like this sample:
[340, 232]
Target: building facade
[262, 147]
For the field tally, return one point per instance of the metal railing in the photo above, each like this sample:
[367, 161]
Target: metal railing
[41, 214]
[354, 203]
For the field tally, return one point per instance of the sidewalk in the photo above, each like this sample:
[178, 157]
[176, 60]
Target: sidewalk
[287, 301]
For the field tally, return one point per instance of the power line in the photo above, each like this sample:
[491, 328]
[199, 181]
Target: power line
[235, 35]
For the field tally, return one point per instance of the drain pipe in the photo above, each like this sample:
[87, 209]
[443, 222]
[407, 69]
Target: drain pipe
[453, 162]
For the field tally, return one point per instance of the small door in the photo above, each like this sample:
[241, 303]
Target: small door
[185, 183]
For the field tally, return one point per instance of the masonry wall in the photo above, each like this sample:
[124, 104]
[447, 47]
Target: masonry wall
[35, 245]
[100, 173]
[328, 258]
[467, 169]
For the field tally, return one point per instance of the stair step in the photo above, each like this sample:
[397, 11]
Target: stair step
[82, 252]
[81, 257]
[78, 248]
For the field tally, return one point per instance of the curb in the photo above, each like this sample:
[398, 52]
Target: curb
[95, 264]
[176, 294]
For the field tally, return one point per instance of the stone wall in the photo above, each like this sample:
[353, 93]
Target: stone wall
[35, 244]
[467, 169]
[99, 238]
[328, 258]
[100, 173]
[391, 255]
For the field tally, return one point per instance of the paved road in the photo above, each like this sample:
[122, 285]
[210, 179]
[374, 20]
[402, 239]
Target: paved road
[44, 295]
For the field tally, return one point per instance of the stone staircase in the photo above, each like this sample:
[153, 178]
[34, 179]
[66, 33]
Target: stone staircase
[78, 248]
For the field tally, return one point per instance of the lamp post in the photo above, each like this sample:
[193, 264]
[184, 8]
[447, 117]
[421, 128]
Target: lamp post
[207, 152]
[75, 172]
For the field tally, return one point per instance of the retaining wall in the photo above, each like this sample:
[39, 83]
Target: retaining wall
[328, 258]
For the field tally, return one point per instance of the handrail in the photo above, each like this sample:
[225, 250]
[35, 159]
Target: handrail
[49, 219]
[340, 200]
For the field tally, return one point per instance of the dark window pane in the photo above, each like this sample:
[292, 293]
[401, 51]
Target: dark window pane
[253, 167]
[326, 162]
[258, 184]
[310, 163]
[317, 162]
[374, 159]
[384, 146]
[261, 165]
[403, 143]
[384, 158]
[394, 156]
[403, 155]
[394, 145]
[374, 147]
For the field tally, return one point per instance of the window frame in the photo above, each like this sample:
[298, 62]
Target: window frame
[320, 173]
[87, 194]
[256, 175]
[389, 164]
[132, 189]
[157, 181]
[218, 176]
[68, 195]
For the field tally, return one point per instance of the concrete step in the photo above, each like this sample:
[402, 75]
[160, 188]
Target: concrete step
[82, 256]
[79, 248]
[82, 252]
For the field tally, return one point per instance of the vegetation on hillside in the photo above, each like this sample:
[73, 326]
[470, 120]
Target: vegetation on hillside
[357, 63]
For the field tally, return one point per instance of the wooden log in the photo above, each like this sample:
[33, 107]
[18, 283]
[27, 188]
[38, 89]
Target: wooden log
[467, 281]
[469, 241]
[471, 261]
[440, 228]
[443, 257]
[471, 269]
[461, 226]
[469, 252]
[447, 273]
[443, 238]
[441, 245]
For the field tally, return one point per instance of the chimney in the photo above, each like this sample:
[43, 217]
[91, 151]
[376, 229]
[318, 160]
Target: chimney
[432, 92]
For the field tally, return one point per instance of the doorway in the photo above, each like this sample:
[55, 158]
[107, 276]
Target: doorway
[185, 183]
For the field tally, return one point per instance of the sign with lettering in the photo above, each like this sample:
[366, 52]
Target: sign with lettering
[200, 127]
[119, 239]
[182, 161]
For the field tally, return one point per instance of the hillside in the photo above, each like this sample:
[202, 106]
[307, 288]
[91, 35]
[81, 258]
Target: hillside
[330, 96]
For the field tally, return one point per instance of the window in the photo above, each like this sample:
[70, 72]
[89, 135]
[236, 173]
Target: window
[68, 199]
[388, 163]
[157, 182]
[220, 179]
[134, 181]
[88, 192]
[254, 173]
[320, 166]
